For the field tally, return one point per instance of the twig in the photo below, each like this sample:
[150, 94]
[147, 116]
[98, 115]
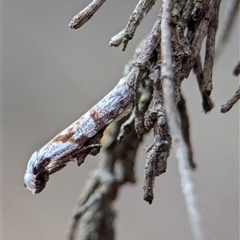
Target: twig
[202, 29]
[151, 43]
[210, 49]
[159, 151]
[207, 103]
[229, 104]
[135, 19]
[86, 14]
[185, 127]
[116, 40]
[96, 196]
[143, 63]
[231, 16]
[179, 145]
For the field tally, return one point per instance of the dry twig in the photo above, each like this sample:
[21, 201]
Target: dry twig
[135, 19]
[207, 103]
[229, 104]
[179, 145]
[86, 14]
[210, 50]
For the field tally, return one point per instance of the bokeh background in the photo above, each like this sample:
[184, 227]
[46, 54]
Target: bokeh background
[52, 75]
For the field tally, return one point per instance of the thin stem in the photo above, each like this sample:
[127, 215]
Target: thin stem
[179, 145]
[229, 104]
[86, 14]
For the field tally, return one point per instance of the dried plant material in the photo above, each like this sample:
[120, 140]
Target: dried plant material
[135, 19]
[178, 143]
[159, 151]
[185, 127]
[229, 104]
[207, 103]
[117, 39]
[86, 14]
[209, 53]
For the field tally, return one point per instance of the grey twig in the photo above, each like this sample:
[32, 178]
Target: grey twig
[210, 49]
[231, 15]
[159, 151]
[202, 28]
[185, 127]
[207, 103]
[116, 40]
[179, 145]
[135, 19]
[229, 104]
[143, 63]
[86, 14]
[94, 200]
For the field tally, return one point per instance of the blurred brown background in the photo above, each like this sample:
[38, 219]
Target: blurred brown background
[52, 75]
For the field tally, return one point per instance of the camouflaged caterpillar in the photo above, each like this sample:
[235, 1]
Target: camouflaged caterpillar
[68, 144]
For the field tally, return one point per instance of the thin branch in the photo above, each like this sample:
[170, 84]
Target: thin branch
[82, 17]
[202, 29]
[98, 193]
[231, 16]
[116, 40]
[135, 19]
[207, 103]
[210, 49]
[229, 104]
[185, 127]
[179, 145]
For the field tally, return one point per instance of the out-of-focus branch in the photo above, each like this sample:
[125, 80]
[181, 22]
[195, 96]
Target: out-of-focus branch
[231, 16]
[185, 127]
[207, 103]
[159, 151]
[210, 50]
[179, 145]
[202, 28]
[116, 40]
[229, 104]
